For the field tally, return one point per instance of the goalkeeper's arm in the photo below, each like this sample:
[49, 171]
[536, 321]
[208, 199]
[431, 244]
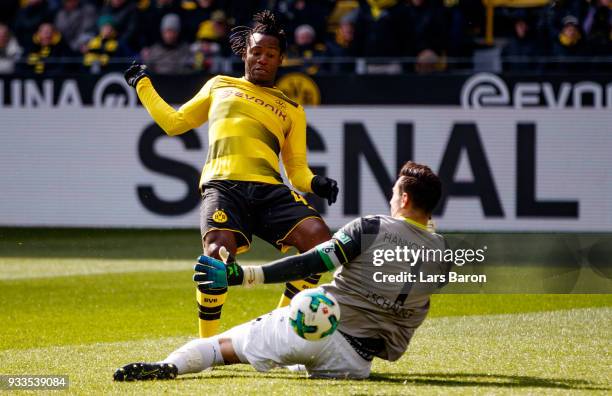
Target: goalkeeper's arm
[286, 269]
[324, 257]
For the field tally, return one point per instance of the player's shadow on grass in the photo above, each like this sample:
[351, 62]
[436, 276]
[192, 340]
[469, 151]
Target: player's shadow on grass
[422, 379]
[483, 380]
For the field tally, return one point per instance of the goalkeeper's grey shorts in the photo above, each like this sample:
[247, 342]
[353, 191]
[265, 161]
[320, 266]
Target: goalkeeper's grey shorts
[269, 341]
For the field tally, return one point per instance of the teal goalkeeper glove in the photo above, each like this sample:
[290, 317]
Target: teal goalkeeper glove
[213, 274]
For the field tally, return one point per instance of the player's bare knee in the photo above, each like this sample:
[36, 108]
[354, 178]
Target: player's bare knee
[212, 249]
[310, 233]
[213, 241]
[319, 230]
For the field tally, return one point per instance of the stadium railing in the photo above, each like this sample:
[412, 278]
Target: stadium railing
[362, 65]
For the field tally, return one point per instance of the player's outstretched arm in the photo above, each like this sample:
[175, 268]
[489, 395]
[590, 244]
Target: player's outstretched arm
[212, 273]
[191, 115]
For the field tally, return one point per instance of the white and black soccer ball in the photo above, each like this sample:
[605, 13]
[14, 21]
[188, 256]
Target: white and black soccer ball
[314, 314]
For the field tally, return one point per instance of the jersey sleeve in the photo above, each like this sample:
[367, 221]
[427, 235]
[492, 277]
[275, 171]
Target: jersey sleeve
[175, 122]
[294, 154]
[349, 242]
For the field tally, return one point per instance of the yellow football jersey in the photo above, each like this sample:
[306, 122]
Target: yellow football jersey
[249, 127]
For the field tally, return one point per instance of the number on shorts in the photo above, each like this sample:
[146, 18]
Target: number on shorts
[299, 198]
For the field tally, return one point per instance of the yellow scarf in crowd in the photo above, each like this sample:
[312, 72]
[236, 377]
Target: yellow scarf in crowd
[377, 6]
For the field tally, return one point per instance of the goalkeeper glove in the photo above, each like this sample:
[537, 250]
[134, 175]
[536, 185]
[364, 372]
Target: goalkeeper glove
[325, 187]
[212, 274]
[134, 73]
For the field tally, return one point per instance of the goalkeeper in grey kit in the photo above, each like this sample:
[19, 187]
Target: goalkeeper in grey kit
[377, 320]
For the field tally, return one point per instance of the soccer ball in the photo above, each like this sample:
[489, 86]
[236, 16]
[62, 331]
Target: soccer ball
[314, 314]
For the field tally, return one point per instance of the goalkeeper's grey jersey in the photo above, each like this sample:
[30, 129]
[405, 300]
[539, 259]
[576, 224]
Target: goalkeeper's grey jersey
[378, 297]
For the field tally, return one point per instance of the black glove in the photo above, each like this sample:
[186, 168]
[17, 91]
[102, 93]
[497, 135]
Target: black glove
[325, 187]
[235, 274]
[134, 73]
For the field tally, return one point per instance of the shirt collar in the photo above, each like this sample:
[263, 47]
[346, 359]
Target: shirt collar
[416, 224]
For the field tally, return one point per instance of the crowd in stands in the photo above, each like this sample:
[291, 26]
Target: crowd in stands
[183, 36]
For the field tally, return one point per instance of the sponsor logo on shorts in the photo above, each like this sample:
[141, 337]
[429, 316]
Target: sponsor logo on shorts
[219, 216]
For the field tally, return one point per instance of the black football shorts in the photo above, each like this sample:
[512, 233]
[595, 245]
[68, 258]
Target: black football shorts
[270, 211]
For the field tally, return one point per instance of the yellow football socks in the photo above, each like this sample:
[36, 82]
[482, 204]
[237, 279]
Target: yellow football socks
[293, 288]
[209, 311]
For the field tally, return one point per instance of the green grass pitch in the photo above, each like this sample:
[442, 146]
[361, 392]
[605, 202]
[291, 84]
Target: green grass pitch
[83, 302]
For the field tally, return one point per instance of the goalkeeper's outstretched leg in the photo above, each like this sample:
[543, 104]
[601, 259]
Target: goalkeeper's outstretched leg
[193, 357]
[265, 343]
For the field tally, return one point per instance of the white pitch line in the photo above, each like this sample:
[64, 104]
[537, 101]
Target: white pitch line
[23, 268]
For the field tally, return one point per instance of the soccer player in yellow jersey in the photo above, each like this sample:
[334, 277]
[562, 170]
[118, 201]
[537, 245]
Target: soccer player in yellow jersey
[250, 123]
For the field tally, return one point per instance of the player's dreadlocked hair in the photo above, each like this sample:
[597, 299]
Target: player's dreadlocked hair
[264, 23]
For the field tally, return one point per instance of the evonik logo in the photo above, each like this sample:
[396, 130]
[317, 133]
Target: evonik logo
[252, 98]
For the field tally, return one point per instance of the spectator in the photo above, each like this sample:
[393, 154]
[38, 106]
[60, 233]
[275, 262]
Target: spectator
[598, 28]
[518, 54]
[48, 53]
[428, 61]
[10, 51]
[305, 45]
[124, 15]
[196, 13]
[465, 24]
[76, 22]
[343, 44]
[219, 26]
[383, 29]
[429, 26]
[339, 11]
[103, 49]
[296, 13]
[304, 49]
[171, 55]
[550, 22]
[151, 20]
[599, 11]
[211, 43]
[569, 44]
[29, 18]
